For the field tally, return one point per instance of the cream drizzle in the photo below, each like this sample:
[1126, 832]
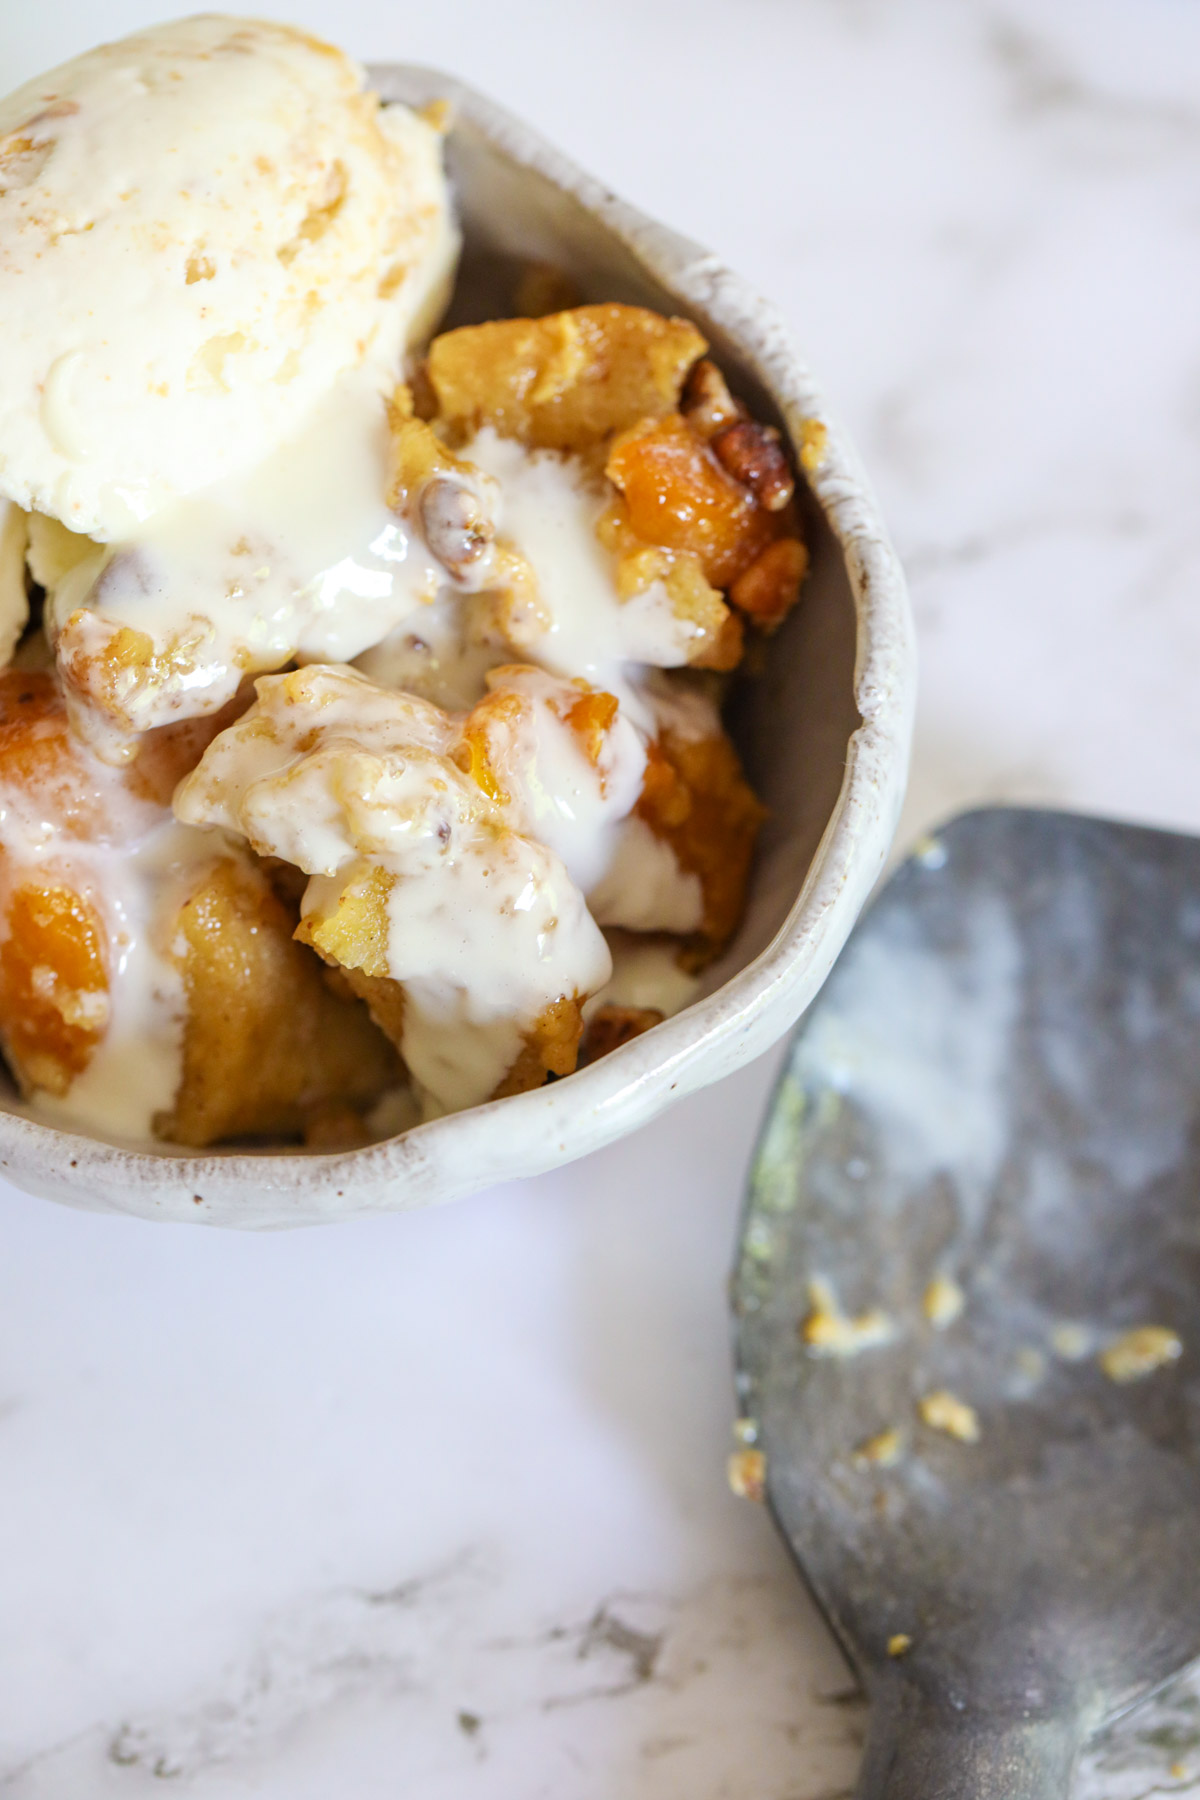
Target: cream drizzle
[128, 870]
[303, 557]
[134, 1071]
[485, 928]
[549, 508]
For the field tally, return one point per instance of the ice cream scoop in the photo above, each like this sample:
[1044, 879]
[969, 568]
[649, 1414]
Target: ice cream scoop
[202, 227]
[968, 1298]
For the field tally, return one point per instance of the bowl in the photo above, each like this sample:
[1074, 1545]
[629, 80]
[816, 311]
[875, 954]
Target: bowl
[824, 732]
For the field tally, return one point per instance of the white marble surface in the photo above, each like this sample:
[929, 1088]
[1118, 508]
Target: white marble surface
[435, 1505]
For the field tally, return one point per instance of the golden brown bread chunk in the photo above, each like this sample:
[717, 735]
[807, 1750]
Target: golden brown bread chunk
[353, 937]
[551, 1048]
[265, 1041]
[334, 1127]
[262, 1039]
[566, 381]
[118, 679]
[384, 998]
[353, 933]
[702, 495]
[610, 1026]
[718, 642]
[696, 797]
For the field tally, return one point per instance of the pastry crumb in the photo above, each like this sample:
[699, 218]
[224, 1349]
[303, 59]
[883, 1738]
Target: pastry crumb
[883, 1450]
[899, 1644]
[1139, 1352]
[747, 1472]
[438, 115]
[944, 1411]
[1070, 1341]
[814, 440]
[944, 1301]
[930, 852]
[828, 1331]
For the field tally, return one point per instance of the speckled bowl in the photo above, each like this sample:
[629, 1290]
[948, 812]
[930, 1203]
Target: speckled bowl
[824, 732]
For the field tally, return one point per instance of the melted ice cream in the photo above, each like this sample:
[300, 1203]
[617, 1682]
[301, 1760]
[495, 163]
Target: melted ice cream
[303, 557]
[128, 868]
[484, 926]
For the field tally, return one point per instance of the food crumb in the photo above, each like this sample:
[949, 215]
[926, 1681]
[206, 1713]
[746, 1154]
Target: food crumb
[1178, 1771]
[438, 115]
[814, 438]
[1139, 1352]
[747, 1472]
[1071, 1342]
[883, 1450]
[930, 852]
[899, 1644]
[944, 1301]
[828, 1331]
[944, 1411]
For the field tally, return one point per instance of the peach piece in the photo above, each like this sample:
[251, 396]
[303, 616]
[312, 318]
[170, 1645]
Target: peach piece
[54, 1002]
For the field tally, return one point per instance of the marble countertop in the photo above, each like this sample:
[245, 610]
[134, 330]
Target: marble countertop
[436, 1505]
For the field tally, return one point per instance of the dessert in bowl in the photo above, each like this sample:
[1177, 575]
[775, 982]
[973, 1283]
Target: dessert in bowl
[441, 737]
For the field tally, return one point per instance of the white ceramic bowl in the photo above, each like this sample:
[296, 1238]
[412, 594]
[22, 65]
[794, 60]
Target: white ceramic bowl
[824, 733]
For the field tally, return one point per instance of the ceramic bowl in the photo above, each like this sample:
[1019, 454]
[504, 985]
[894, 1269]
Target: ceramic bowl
[824, 731]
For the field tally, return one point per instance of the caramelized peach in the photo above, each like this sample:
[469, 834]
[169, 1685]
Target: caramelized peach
[54, 1002]
[591, 718]
[45, 776]
[678, 495]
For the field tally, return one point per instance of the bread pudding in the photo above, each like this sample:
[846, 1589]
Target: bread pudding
[361, 723]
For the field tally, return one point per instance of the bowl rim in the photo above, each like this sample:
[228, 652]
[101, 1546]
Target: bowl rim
[529, 1133]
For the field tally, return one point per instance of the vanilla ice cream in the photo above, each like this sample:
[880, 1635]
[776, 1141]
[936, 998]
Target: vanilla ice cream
[202, 228]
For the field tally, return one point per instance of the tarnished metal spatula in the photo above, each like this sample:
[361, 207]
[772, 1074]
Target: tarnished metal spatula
[968, 1298]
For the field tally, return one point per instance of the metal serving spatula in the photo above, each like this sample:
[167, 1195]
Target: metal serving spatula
[994, 1104]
